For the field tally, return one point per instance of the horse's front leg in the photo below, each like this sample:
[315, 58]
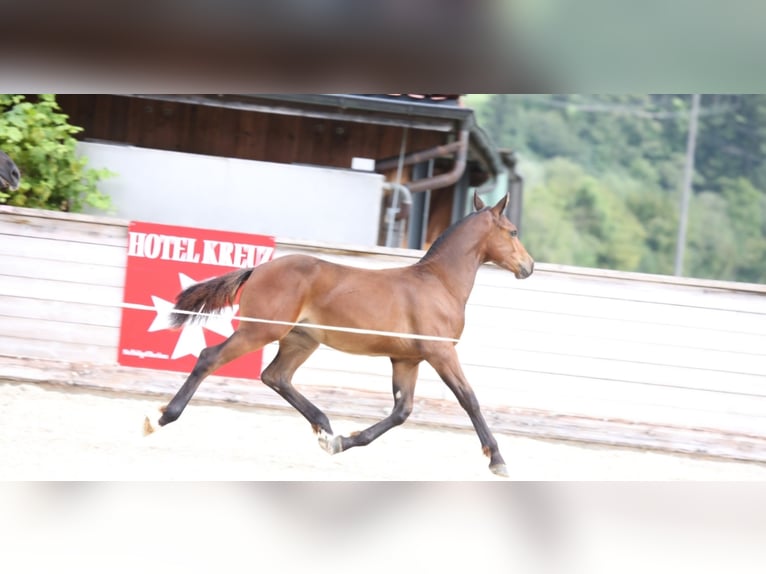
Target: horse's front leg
[446, 364]
[404, 377]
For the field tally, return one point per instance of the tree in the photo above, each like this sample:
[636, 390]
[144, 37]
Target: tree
[712, 246]
[658, 214]
[41, 141]
[587, 223]
[745, 207]
[615, 203]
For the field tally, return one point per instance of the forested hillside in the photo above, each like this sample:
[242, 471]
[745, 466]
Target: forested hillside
[603, 179]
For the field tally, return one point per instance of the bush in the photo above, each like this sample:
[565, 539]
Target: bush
[39, 138]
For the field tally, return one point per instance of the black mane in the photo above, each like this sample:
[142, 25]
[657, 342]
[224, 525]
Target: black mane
[436, 245]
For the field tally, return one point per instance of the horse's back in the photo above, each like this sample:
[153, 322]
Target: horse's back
[319, 272]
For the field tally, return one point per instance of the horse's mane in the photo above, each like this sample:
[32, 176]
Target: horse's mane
[436, 245]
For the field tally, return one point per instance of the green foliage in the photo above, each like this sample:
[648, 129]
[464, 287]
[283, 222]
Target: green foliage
[603, 178]
[658, 214]
[712, 244]
[551, 136]
[41, 141]
[594, 226]
[745, 208]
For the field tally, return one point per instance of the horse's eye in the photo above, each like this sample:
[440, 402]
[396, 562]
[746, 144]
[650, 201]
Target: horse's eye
[514, 233]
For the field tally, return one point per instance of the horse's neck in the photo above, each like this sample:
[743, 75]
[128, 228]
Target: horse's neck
[456, 262]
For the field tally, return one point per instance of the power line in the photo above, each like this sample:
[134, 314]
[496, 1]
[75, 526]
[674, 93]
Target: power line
[617, 109]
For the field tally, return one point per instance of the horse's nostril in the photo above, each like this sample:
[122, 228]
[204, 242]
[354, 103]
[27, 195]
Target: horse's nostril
[526, 270]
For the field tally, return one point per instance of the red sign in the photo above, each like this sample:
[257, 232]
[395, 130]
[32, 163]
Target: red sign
[162, 261]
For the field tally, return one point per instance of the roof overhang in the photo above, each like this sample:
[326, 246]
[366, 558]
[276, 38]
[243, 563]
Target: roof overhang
[368, 109]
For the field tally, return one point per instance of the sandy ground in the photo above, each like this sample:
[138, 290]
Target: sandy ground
[51, 433]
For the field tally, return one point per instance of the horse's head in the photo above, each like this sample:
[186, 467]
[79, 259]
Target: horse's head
[502, 246]
[9, 173]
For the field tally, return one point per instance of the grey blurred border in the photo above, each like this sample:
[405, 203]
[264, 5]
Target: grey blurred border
[384, 527]
[457, 46]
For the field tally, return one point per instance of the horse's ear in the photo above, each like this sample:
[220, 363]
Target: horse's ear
[477, 202]
[502, 204]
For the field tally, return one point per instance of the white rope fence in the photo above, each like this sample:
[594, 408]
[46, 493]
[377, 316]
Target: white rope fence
[354, 330]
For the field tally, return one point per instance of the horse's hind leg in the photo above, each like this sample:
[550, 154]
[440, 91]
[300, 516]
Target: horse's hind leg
[210, 359]
[294, 349]
[404, 379]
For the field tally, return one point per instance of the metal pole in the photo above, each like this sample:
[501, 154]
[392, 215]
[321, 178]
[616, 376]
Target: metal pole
[686, 190]
[394, 209]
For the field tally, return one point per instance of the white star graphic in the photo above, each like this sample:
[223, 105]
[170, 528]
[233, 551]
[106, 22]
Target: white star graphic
[191, 341]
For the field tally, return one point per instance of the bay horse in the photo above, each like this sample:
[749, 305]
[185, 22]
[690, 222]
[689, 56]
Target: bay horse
[299, 293]
[9, 173]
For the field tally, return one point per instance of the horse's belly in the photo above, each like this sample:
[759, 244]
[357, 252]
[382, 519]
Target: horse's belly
[357, 342]
[373, 344]
[368, 323]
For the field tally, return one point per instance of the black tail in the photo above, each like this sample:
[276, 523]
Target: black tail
[208, 296]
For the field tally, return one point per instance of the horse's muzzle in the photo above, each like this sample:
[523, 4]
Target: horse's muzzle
[525, 270]
[12, 184]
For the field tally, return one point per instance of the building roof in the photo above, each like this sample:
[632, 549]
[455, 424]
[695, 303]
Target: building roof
[438, 112]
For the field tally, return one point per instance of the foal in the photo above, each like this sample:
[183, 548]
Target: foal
[427, 298]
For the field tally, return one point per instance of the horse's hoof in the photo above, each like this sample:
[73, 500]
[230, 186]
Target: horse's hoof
[500, 470]
[152, 422]
[330, 443]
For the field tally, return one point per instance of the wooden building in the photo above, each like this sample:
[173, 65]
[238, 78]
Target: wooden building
[431, 144]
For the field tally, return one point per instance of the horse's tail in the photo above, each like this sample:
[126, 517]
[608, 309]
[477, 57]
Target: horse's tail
[208, 296]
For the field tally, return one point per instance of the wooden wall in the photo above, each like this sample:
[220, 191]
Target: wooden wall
[226, 132]
[571, 353]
